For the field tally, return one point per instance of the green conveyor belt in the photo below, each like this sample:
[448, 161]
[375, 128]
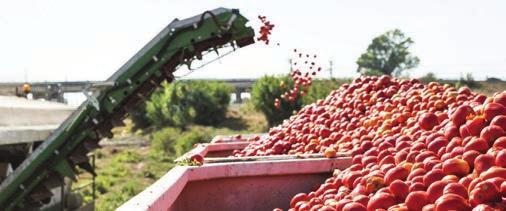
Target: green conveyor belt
[65, 149]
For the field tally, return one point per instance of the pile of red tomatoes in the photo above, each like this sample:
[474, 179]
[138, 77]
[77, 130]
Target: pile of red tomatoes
[413, 147]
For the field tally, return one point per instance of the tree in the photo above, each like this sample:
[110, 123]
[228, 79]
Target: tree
[181, 103]
[263, 93]
[266, 89]
[387, 55]
[429, 77]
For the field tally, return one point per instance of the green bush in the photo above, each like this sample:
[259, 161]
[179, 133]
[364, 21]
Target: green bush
[263, 94]
[176, 142]
[103, 185]
[110, 176]
[320, 89]
[139, 117]
[210, 101]
[183, 102]
[163, 140]
[372, 72]
[267, 89]
[186, 140]
[127, 157]
[122, 175]
[170, 106]
[131, 188]
[127, 191]
[429, 77]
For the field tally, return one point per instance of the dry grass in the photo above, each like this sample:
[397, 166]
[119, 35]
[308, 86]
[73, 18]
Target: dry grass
[489, 88]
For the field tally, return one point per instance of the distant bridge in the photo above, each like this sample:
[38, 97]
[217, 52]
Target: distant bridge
[53, 91]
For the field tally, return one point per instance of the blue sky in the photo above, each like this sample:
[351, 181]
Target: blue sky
[54, 40]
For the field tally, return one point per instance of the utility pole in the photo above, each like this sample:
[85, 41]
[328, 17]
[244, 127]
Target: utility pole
[291, 65]
[330, 69]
